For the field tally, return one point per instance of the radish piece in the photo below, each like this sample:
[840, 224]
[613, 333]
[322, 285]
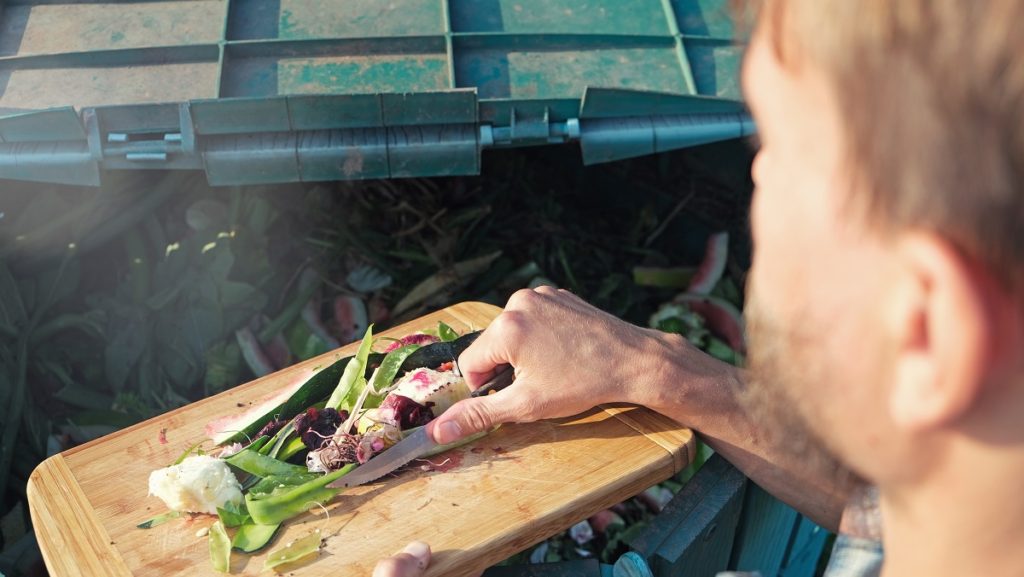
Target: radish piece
[350, 315]
[713, 266]
[720, 316]
[254, 355]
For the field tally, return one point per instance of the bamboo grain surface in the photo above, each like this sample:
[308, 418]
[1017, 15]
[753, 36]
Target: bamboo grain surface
[483, 502]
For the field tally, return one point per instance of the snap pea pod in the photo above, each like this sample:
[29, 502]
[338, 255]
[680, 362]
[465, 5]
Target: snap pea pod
[284, 503]
[291, 448]
[269, 484]
[389, 367]
[348, 388]
[220, 548]
[445, 332]
[251, 537]
[258, 444]
[295, 551]
[272, 448]
[261, 465]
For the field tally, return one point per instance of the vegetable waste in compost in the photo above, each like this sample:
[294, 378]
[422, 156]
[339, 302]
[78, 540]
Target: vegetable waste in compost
[338, 418]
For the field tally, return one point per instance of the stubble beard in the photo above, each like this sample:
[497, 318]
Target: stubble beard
[784, 370]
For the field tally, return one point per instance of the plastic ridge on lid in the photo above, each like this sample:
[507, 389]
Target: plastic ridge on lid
[307, 90]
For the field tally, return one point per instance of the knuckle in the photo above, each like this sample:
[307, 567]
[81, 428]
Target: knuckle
[547, 290]
[522, 299]
[509, 324]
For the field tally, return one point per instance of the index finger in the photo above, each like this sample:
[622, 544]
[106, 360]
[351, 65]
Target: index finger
[480, 361]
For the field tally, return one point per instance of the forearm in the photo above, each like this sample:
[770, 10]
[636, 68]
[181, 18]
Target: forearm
[700, 392]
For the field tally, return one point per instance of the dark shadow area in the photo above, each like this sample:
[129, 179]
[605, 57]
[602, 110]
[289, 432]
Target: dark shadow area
[254, 19]
[486, 68]
[476, 16]
[13, 22]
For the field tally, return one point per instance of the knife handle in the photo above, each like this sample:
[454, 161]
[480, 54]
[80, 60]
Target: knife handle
[502, 379]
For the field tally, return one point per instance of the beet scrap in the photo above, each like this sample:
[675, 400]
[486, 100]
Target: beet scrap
[317, 425]
[404, 411]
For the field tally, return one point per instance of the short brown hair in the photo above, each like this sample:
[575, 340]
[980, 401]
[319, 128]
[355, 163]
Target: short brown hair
[933, 97]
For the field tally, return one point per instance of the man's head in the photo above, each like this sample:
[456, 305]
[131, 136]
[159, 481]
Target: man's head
[886, 301]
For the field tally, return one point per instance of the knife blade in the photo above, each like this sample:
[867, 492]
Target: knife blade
[412, 447]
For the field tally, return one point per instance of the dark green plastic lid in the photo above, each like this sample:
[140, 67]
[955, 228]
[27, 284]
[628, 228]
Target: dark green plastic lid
[257, 91]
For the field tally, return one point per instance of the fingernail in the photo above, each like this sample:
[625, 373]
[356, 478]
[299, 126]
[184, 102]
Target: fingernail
[419, 550]
[449, 432]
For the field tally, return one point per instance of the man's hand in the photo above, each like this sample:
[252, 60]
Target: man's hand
[568, 357]
[410, 562]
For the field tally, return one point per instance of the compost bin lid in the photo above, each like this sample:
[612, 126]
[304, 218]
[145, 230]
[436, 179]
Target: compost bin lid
[258, 91]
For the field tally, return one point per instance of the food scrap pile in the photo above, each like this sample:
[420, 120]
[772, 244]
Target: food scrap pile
[278, 458]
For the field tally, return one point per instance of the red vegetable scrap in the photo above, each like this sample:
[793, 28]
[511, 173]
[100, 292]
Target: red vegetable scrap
[416, 339]
[404, 411]
[270, 429]
[162, 437]
[445, 367]
[316, 426]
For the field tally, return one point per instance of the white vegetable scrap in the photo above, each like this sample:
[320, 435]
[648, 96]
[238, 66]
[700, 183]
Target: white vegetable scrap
[440, 389]
[199, 484]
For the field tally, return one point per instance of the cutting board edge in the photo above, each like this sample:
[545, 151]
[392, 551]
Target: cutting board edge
[102, 555]
[679, 441]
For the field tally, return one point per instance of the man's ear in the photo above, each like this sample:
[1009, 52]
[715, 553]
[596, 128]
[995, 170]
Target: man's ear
[941, 315]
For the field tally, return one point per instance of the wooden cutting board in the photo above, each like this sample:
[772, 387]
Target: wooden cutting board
[490, 499]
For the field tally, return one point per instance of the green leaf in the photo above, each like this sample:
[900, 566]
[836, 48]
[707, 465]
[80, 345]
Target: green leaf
[352, 381]
[233, 514]
[124, 350]
[220, 548]
[238, 293]
[295, 551]
[83, 397]
[12, 308]
[445, 332]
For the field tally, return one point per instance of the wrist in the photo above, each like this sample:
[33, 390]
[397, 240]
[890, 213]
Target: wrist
[680, 380]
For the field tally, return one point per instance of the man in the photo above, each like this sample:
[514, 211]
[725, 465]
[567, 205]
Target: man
[885, 312]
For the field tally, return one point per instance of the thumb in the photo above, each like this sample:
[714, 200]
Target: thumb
[409, 562]
[471, 416]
